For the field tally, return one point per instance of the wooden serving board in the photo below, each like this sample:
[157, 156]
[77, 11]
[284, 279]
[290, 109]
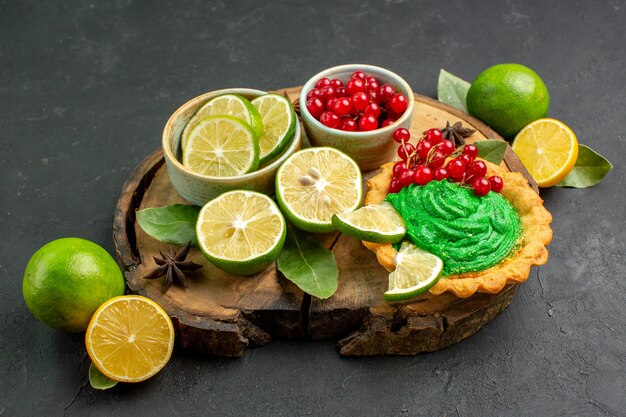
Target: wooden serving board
[223, 314]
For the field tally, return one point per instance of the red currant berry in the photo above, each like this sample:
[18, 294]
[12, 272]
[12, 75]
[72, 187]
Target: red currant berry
[368, 122]
[496, 183]
[440, 174]
[359, 101]
[330, 119]
[477, 169]
[446, 147]
[437, 159]
[341, 92]
[471, 151]
[406, 177]
[433, 136]
[370, 79]
[466, 159]
[395, 186]
[372, 109]
[423, 148]
[405, 151]
[313, 93]
[481, 186]
[398, 103]
[330, 103]
[358, 74]
[385, 92]
[355, 85]
[401, 135]
[335, 82]
[398, 168]
[423, 175]
[342, 106]
[322, 82]
[456, 169]
[348, 124]
[386, 122]
[315, 107]
[373, 86]
[327, 92]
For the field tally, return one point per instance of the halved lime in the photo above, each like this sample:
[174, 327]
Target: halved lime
[416, 272]
[279, 124]
[241, 232]
[315, 183]
[378, 223]
[221, 146]
[226, 105]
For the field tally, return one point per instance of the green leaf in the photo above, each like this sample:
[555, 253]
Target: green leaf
[590, 169]
[452, 90]
[98, 380]
[171, 224]
[308, 264]
[491, 150]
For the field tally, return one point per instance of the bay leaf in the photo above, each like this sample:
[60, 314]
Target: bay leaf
[590, 169]
[308, 264]
[171, 224]
[491, 150]
[98, 380]
[452, 90]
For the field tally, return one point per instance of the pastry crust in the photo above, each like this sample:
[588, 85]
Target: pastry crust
[536, 235]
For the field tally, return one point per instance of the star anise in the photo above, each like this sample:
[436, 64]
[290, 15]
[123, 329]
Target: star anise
[172, 266]
[456, 133]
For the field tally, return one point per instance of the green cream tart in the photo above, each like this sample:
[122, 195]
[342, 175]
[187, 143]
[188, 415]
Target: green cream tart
[469, 233]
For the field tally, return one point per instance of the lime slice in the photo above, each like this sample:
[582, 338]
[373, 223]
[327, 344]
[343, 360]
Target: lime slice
[221, 146]
[241, 232]
[416, 271]
[378, 223]
[279, 124]
[226, 105]
[315, 183]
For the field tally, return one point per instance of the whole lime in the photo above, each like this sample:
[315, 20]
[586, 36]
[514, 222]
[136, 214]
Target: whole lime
[508, 97]
[67, 279]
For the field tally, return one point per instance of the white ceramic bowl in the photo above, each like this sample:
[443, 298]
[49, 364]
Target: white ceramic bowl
[198, 189]
[369, 149]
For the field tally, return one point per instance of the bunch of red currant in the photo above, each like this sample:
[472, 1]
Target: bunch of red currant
[361, 104]
[425, 162]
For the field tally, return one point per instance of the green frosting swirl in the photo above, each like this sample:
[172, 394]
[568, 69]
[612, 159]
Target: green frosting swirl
[469, 233]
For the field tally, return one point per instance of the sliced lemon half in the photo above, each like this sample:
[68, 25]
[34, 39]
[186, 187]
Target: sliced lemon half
[548, 149]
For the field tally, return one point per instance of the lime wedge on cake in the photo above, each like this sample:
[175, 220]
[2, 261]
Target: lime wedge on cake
[221, 146]
[315, 183]
[416, 272]
[279, 124]
[378, 223]
[241, 232]
[226, 105]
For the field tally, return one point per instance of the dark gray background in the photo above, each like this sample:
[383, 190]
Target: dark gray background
[86, 87]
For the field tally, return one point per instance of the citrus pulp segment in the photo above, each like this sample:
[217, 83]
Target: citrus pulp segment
[221, 146]
[548, 149]
[416, 271]
[130, 338]
[378, 223]
[315, 183]
[226, 105]
[279, 124]
[241, 232]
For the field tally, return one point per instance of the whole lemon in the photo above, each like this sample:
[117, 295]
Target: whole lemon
[67, 279]
[508, 97]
